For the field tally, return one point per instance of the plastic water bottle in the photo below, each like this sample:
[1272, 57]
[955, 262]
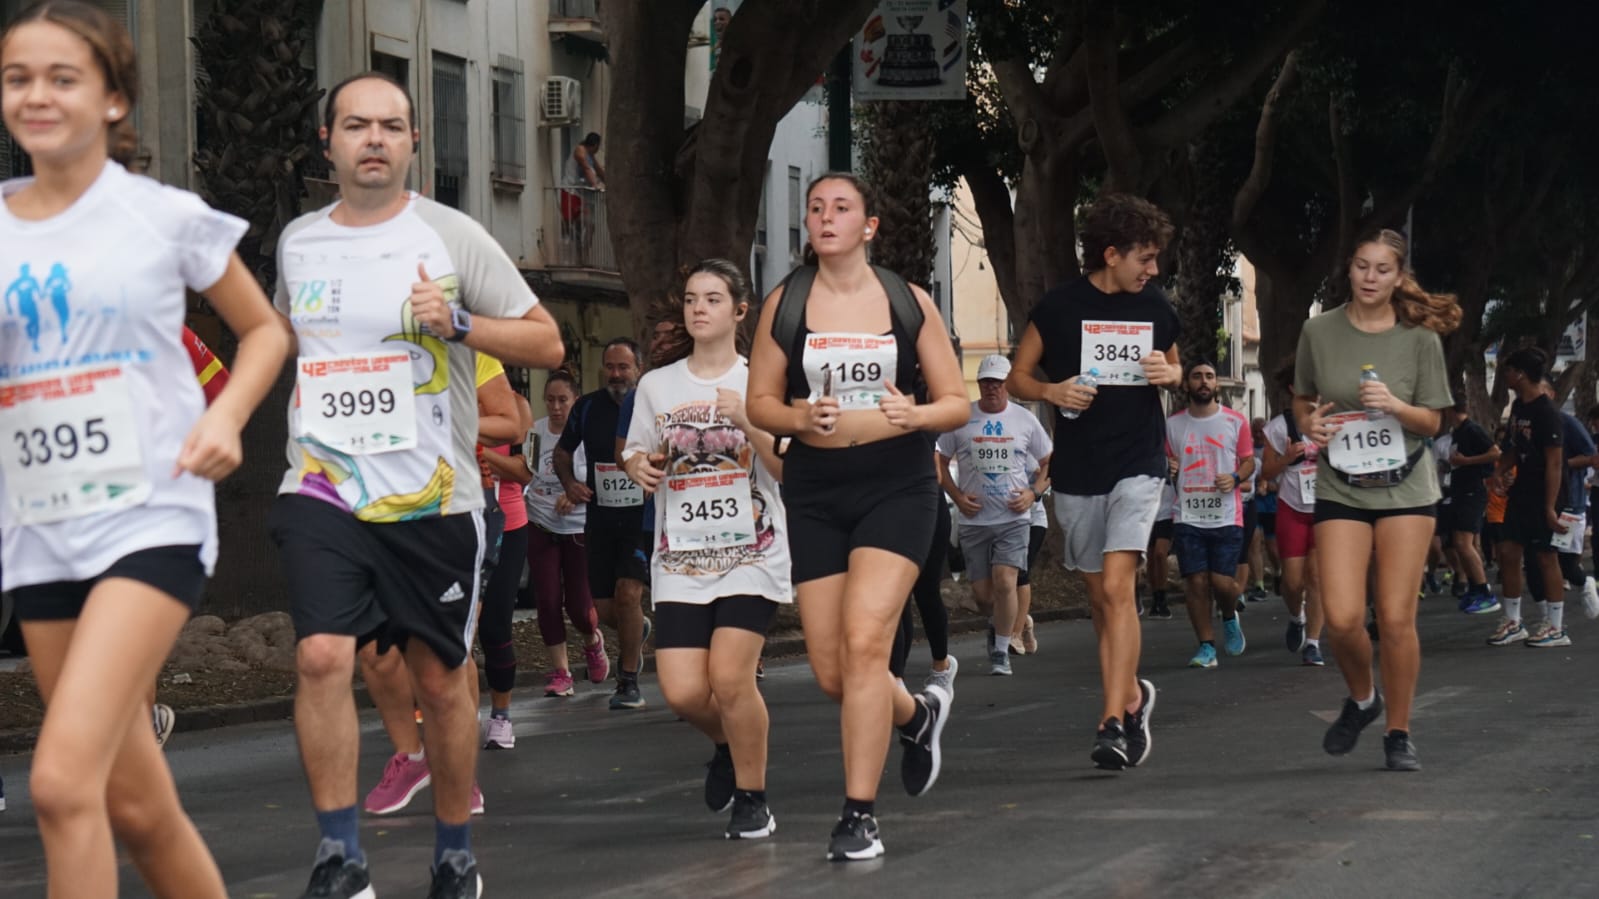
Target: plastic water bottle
[1369, 373]
[1089, 380]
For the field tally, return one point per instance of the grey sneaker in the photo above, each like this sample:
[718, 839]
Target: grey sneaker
[945, 678]
[999, 663]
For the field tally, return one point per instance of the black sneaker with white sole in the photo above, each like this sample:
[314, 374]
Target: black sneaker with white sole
[854, 839]
[454, 880]
[335, 878]
[1110, 746]
[719, 782]
[751, 820]
[1138, 740]
[1345, 732]
[1398, 752]
[923, 754]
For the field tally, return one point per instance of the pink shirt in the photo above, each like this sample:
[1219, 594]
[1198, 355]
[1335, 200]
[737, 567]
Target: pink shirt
[511, 497]
[1204, 449]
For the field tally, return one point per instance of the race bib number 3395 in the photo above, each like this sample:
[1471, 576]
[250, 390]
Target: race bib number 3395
[359, 404]
[72, 446]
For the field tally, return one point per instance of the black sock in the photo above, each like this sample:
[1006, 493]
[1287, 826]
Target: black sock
[1210, 643]
[1160, 597]
[859, 807]
[913, 728]
[1399, 733]
[626, 676]
[1480, 588]
[723, 751]
[756, 796]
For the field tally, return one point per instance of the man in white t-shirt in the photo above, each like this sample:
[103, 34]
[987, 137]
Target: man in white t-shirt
[380, 517]
[997, 448]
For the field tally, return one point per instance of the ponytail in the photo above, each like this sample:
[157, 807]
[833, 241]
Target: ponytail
[1437, 312]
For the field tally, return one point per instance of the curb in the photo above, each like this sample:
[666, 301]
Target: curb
[279, 708]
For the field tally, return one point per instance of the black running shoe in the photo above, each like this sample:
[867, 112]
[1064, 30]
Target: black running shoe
[1345, 732]
[1138, 741]
[1110, 746]
[751, 820]
[626, 696]
[1400, 752]
[1295, 636]
[923, 755]
[449, 883]
[854, 840]
[1159, 610]
[719, 782]
[335, 878]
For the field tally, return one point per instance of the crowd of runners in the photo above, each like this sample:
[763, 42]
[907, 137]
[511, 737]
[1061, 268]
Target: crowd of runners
[823, 464]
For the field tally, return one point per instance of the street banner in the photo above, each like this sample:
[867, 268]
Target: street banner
[912, 50]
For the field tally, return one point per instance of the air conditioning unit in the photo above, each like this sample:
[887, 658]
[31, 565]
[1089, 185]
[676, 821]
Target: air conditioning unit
[561, 101]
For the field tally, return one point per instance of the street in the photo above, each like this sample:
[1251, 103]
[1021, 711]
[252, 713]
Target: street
[1236, 799]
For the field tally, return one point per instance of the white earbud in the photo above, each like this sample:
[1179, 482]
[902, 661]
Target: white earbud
[112, 112]
[868, 232]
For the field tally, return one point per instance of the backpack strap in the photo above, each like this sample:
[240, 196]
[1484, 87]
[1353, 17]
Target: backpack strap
[790, 317]
[902, 304]
[1293, 426]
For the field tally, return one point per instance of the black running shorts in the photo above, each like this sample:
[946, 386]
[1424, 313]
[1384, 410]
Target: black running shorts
[616, 554]
[174, 570]
[689, 625]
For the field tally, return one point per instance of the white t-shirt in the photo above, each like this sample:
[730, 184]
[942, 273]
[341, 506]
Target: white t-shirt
[1168, 501]
[996, 452]
[1296, 477]
[545, 488]
[347, 293]
[1206, 448]
[720, 526]
[97, 393]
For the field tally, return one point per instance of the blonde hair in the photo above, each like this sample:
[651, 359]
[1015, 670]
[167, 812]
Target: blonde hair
[1437, 312]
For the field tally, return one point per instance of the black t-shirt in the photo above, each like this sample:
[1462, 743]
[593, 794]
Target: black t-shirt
[1122, 434]
[1534, 428]
[1470, 440]
[592, 424]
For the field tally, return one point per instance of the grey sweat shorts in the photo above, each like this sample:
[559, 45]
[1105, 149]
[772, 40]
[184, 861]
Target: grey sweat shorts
[1118, 521]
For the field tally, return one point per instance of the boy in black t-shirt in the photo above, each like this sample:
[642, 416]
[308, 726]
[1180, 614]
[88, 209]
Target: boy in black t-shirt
[1472, 459]
[1109, 458]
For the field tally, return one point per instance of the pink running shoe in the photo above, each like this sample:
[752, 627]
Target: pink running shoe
[477, 799]
[599, 665]
[559, 683]
[402, 780]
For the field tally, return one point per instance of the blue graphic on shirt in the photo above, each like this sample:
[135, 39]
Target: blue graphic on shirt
[58, 285]
[993, 429]
[26, 290]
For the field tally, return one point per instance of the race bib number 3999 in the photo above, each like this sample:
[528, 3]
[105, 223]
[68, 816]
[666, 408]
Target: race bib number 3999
[359, 404]
[71, 446]
[1117, 350]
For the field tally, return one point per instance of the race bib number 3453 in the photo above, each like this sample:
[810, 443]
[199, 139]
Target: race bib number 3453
[709, 511]
[72, 446]
[358, 404]
[1117, 349]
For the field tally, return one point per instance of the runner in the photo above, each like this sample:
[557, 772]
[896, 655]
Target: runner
[1211, 450]
[1026, 640]
[384, 539]
[1158, 558]
[109, 512]
[1378, 361]
[1290, 462]
[557, 559]
[927, 596]
[837, 371]
[1472, 457]
[1109, 460]
[1577, 448]
[618, 548]
[721, 566]
[511, 474]
[1003, 454]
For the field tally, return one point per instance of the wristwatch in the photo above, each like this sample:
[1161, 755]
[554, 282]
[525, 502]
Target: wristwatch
[461, 321]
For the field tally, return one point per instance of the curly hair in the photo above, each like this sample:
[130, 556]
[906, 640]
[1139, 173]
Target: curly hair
[112, 48]
[1122, 221]
[1437, 312]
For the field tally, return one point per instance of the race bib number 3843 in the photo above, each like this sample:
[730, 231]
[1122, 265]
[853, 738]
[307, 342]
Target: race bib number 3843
[359, 404]
[71, 446]
[1117, 350]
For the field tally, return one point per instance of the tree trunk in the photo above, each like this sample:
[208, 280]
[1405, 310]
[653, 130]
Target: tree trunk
[1046, 226]
[991, 197]
[897, 160]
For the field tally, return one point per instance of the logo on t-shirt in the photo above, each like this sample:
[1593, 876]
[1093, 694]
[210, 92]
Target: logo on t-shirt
[29, 294]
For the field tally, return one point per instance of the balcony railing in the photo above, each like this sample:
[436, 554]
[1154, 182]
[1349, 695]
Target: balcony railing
[581, 231]
[574, 9]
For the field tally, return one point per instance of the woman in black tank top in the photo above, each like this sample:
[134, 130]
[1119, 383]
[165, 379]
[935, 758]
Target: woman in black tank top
[860, 494]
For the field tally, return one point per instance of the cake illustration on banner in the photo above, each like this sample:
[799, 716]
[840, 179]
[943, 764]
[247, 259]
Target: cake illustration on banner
[911, 59]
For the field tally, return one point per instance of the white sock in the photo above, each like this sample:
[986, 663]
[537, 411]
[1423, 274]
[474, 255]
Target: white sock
[1557, 615]
[1298, 619]
[1313, 641]
[1512, 607]
[1367, 703]
[1001, 642]
[417, 756]
[1543, 610]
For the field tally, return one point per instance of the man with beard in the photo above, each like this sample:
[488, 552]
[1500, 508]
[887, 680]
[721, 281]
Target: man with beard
[618, 547]
[1211, 449]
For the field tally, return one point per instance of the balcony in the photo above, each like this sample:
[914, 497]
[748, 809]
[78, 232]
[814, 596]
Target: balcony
[578, 18]
[579, 231]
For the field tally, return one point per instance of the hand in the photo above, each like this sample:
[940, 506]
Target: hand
[1321, 430]
[429, 307]
[1456, 459]
[1171, 467]
[1225, 482]
[730, 405]
[1160, 372]
[579, 494]
[646, 470]
[822, 415]
[1552, 519]
[899, 408]
[969, 504]
[212, 450]
[1021, 500]
[1069, 394]
[1374, 395]
[563, 506]
[1295, 453]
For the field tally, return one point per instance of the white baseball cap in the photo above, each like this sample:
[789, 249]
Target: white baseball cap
[995, 366]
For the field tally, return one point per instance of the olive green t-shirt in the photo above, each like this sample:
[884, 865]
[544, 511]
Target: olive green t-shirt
[1409, 361]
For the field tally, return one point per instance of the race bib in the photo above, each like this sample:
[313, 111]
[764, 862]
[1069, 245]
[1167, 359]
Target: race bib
[851, 367]
[613, 489]
[709, 511]
[1116, 349]
[1364, 445]
[359, 404]
[1204, 508]
[1571, 540]
[1306, 475]
[72, 446]
[991, 455]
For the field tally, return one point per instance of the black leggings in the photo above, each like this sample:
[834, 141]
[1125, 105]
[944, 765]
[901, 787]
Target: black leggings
[1532, 572]
[494, 618]
[929, 597]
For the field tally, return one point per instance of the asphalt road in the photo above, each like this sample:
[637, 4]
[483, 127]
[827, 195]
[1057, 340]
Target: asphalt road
[1237, 798]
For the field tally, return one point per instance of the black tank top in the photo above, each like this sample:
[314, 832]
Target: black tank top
[906, 364]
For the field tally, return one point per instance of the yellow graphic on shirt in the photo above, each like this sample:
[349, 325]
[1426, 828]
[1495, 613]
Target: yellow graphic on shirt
[435, 349]
[433, 499]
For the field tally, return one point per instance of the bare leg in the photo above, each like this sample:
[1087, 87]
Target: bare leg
[389, 684]
[1120, 638]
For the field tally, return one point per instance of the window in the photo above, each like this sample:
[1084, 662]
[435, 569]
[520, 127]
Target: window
[796, 213]
[449, 131]
[510, 122]
[396, 67]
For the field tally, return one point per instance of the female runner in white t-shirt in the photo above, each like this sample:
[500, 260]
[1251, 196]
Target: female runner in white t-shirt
[720, 566]
[109, 519]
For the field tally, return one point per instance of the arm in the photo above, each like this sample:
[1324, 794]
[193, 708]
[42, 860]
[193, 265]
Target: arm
[1164, 368]
[499, 421]
[967, 505]
[1415, 419]
[508, 468]
[585, 164]
[1551, 482]
[1024, 384]
[947, 407]
[212, 449]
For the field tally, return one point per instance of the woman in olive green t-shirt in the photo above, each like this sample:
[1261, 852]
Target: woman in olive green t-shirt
[1373, 499]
